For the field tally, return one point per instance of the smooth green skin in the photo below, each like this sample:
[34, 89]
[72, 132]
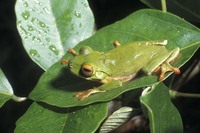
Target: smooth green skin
[122, 63]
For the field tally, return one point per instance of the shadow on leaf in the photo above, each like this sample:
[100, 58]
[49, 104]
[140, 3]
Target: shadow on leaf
[66, 81]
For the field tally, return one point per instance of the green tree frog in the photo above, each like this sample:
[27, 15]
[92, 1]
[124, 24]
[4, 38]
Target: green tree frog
[121, 64]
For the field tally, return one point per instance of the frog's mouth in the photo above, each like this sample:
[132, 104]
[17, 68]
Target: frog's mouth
[97, 76]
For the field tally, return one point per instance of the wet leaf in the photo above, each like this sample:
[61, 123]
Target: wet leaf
[49, 27]
[6, 91]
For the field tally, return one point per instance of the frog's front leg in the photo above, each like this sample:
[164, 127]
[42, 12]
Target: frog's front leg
[103, 88]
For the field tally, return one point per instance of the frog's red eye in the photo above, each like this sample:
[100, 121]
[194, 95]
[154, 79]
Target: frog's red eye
[87, 70]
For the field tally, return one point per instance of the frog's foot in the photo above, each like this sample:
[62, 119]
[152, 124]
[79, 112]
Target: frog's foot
[116, 43]
[64, 62]
[166, 67]
[87, 93]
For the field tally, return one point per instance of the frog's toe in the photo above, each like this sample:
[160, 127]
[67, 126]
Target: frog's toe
[176, 70]
[72, 51]
[82, 95]
[116, 43]
[63, 62]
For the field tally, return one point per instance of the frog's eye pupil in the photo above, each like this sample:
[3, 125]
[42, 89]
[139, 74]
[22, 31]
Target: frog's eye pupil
[87, 70]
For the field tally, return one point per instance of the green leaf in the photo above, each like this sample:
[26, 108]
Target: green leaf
[57, 86]
[163, 115]
[43, 119]
[6, 91]
[118, 118]
[183, 8]
[49, 27]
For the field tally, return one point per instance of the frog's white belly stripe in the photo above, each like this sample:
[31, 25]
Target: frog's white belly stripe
[125, 78]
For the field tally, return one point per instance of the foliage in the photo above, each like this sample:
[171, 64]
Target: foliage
[49, 28]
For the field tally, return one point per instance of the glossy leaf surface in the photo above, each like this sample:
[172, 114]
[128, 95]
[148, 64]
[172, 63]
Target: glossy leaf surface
[44, 119]
[6, 91]
[49, 27]
[57, 86]
[118, 118]
[163, 115]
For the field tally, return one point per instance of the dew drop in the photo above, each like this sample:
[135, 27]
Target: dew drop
[23, 30]
[46, 10]
[19, 23]
[25, 4]
[26, 15]
[48, 39]
[32, 20]
[41, 43]
[85, 4]
[44, 32]
[29, 34]
[30, 28]
[40, 3]
[53, 48]
[35, 39]
[33, 52]
[42, 24]
[78, 14]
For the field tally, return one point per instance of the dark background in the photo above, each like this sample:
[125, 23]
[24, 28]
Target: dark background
[23, 73]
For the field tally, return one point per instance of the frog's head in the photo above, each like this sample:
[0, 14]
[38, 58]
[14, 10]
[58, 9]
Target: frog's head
[88, 64]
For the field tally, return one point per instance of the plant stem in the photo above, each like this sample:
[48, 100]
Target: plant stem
[175, 94]
[18, 99]
[164, 6]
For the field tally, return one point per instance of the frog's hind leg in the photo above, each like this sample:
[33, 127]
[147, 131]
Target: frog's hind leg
[166, 66]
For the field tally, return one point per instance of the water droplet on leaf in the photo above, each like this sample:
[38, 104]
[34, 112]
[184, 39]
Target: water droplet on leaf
[42, 24]
[46, 10]
[33, 52]
[26, 15]
[48, 39]
[85, 4]
[30, 28]
[25, 4]
[78, 14]
[40, 3]
[53, 48]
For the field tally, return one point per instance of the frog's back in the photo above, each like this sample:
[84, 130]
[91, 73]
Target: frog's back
[131, 57]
